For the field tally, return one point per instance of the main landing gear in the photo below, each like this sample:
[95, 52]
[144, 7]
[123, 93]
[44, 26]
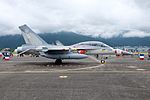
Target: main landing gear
[58, 61]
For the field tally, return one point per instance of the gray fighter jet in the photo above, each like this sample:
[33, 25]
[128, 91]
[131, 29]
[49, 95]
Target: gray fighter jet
[36, 45]
[96, 47]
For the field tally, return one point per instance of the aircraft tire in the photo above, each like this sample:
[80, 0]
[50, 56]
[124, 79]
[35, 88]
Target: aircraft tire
[103, 61]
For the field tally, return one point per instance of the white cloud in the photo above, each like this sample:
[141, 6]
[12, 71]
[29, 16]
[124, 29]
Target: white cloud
[136, 33]
[105, 18]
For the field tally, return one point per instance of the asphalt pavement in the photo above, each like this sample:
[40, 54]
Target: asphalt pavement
[28, 78]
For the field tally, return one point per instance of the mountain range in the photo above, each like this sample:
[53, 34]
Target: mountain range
[68, 38]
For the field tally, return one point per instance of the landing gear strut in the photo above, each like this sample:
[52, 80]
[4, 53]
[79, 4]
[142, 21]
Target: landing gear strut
[58, 61]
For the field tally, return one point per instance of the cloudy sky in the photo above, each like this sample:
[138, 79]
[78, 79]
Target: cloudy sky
[105, 18]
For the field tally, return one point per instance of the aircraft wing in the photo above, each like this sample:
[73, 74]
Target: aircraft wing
[54, 50]
[28, 51]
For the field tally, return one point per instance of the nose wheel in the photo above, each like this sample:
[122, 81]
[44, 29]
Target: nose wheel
[103, 61]
[58, 61]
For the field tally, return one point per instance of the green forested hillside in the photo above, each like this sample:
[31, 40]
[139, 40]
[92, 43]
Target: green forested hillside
[68, 38]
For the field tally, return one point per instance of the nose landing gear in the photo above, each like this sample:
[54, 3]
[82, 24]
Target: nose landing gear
[102, 61]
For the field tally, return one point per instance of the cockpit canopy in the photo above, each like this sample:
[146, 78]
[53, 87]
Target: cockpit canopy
[93, 43]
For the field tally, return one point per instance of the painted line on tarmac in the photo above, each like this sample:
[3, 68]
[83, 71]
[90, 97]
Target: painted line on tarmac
[46, 72]
[49, 71]
[132, 67]
[140, 69]
[84, 68]
[77, 70]
[42, 71]
[63, 77]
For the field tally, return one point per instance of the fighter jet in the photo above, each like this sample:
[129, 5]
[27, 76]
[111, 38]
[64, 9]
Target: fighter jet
[96, 47]
[88, 47]
[35, 44]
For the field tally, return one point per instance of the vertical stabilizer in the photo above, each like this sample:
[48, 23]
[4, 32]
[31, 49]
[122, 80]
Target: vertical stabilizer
[31, 37]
